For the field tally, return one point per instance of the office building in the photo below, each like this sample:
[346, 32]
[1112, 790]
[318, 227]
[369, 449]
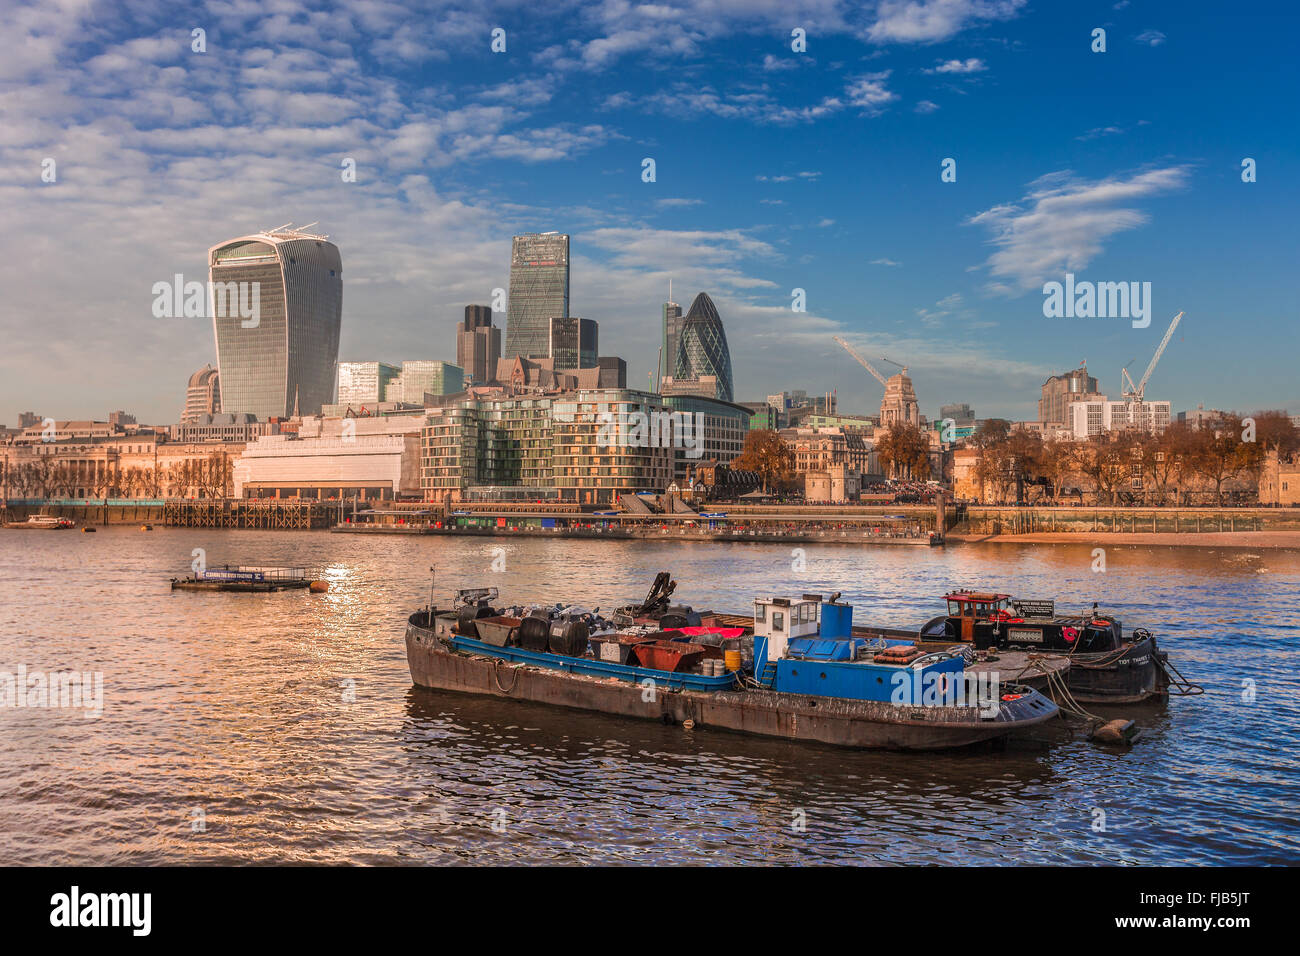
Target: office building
[202, 395]
[572, 343]
[431, 377]
[539, 291]
[1060, 391]
[702, 349]
[364, 384]
[284, 357]
[672, 332]
[478, 345]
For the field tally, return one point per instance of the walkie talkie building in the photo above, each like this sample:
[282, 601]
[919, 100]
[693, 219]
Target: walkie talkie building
[539, 292]
[286, 356]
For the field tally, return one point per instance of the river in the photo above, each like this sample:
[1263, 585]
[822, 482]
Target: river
[283, 728]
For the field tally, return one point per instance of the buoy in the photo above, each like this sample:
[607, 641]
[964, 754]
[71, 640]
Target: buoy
[1121, 732]
[318, 587]
[89, 530]
[146, 527]
[688, 724]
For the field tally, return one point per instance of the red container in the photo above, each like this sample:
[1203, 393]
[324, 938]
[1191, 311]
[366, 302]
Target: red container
[668, 655]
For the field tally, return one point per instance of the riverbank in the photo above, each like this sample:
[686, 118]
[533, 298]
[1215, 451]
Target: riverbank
[1189, 539]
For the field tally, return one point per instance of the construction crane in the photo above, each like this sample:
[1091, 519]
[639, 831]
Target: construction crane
[861, 361]
[892, 362]
[1136, 393]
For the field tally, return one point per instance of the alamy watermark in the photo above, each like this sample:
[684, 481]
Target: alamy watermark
[191, 300]
[74, 690]
[653, 430]
[1100, 300]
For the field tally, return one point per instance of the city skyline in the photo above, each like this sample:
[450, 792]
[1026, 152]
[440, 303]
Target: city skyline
[774, 171]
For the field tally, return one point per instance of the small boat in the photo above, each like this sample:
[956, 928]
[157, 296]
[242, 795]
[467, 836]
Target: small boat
[146, 527]
[1105, 666]
[42, 523]
[808, 677]
[89, 529]
[252, 579]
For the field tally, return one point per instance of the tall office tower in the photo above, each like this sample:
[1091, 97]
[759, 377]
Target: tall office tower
[702, 348]
[365, 383]
[672, 326]
[284, 356]
[539, 291]
[572, 343]
[202, 395]
[477, 316]
[478, 344]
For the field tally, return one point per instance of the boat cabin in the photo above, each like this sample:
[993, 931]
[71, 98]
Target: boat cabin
[806, 646]
[990, 619]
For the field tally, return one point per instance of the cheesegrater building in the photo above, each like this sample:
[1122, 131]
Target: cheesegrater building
[284, 358]
[539, 292]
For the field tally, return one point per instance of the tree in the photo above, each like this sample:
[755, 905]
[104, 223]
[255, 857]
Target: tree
[766, 454]
[991, 431]
[904, 451]
[1219, 454]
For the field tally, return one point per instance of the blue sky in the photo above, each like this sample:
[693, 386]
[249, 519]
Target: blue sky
[775, 170]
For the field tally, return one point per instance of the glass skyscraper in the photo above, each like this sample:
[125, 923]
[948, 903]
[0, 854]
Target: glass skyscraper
[702, 348]
[287, 355]
[539, 292]
[573, 343]
[672, 333]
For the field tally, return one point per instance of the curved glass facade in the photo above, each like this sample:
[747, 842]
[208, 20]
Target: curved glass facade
[291, 354]
[702, 347]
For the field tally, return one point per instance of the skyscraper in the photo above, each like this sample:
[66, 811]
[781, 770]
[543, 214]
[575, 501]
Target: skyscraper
[539, 291]
[478, 344]
[573, 343]
[285, 355]
[672, 326]
[702, 349]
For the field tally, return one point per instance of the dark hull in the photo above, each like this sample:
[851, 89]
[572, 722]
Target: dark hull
[1129, 675]
[844, 723]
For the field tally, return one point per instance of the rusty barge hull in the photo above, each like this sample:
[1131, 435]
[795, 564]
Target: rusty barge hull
[843, 723]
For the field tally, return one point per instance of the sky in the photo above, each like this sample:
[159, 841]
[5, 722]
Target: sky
[775, 170]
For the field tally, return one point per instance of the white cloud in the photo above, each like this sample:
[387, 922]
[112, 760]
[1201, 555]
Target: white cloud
[885, 262]
[1062, 223]
[971, 65]
[926, 106]
[929, 21]
[1151, 37]
[869, 93]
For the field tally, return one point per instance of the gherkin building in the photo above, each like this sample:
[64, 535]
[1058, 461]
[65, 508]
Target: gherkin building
[702, 347]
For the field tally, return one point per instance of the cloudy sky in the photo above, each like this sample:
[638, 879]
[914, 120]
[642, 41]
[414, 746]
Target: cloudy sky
[775, 170]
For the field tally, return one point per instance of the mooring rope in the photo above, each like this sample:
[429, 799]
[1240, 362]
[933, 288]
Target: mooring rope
[496, 678]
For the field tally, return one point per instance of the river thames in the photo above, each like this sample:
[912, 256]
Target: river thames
[284, 728]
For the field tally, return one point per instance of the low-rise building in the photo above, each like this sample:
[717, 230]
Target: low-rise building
[838, 484]
[1279, 481]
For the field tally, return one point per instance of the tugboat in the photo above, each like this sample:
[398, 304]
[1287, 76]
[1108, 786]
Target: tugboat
[808, 677]
[1105, 668]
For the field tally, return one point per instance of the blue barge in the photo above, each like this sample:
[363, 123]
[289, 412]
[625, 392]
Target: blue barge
[810, 679]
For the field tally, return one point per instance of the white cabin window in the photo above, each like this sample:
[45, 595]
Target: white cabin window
[760, 612]
[778, 621]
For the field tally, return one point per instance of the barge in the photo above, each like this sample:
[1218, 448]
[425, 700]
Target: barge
[808, 678]
[250, 579]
